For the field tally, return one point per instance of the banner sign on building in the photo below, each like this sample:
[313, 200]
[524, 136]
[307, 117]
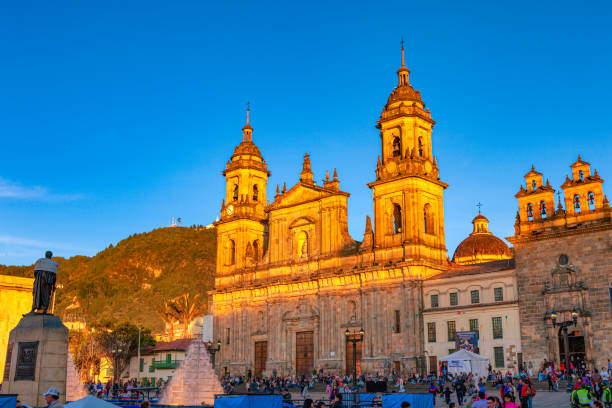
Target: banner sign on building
[467, 340]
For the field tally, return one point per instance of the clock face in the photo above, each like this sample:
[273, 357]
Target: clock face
[230, 209]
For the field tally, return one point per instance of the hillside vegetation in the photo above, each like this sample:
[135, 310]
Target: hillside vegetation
[131, 281]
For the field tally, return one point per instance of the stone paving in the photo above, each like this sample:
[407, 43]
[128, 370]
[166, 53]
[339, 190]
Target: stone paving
[543, 399]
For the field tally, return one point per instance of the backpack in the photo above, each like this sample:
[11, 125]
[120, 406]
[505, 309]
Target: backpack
[533, 391]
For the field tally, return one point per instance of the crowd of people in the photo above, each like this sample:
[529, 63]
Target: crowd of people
[132, 389]
[510, 389]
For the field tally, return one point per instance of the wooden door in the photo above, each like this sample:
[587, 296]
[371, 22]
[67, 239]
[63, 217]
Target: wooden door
[261, 356]
[433, 364]
[304, 353]
[349, 356]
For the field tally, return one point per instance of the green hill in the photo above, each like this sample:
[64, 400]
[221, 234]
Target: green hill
[131, 280]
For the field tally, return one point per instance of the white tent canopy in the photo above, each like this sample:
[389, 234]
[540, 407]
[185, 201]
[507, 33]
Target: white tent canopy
[90, 402]
[464, 361]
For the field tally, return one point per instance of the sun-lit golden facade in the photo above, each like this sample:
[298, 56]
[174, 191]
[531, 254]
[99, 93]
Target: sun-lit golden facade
[16, 300]
[290, 279]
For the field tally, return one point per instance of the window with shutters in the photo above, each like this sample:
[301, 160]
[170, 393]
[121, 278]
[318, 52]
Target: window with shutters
[497, 328]
[473, 324]
[453, 299]
[499, 294]
[451, 330]
[498, 354]
[475, 296]
[434, 300]
[431, 332]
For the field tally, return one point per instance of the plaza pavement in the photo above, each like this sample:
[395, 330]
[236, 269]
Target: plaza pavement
[543, 399]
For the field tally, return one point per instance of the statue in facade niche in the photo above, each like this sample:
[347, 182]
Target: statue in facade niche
[45, 275]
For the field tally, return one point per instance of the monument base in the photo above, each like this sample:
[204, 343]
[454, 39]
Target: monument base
[36, 358]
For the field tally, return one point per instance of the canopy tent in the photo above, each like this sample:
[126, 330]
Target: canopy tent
[464, 361]
[249, 401]
[90, 402]
[8, 400]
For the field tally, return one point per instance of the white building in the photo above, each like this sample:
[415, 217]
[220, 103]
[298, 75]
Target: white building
[477, 293]
[160, 361]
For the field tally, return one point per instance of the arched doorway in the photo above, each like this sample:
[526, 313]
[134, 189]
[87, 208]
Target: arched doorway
[577, 348]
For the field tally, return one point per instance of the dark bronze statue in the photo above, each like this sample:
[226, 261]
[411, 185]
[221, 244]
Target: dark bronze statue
[45, 274]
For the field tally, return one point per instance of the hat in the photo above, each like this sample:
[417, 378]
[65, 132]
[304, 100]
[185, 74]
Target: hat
[52, 391]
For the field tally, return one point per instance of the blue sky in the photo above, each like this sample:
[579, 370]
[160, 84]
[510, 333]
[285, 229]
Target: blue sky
[116, 116]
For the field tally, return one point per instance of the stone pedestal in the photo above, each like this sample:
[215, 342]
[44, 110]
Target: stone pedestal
[36, 358]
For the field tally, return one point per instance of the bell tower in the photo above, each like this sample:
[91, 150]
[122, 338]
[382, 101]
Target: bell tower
[241, 231]
[408, 207]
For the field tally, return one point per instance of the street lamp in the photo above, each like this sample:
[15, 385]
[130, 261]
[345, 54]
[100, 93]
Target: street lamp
[213, 350]
[564, 325]
[354, 340]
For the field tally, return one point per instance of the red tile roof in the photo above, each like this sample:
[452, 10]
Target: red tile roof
[180, 344]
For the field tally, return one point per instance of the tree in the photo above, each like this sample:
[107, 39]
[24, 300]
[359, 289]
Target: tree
[184, 309]
[118, 342]
[85, 354]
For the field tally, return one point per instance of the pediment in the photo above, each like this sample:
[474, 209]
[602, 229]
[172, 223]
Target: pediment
[300, 193]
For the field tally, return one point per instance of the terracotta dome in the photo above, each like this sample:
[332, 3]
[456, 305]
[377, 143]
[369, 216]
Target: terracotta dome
[481, 246]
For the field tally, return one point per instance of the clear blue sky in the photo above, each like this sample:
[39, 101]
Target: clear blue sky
[116, 116]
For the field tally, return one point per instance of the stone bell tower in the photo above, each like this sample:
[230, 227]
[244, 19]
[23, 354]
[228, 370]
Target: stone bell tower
[408, 210]
[241, 229]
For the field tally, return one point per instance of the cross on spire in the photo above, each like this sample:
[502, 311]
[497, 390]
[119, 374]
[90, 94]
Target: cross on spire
[402, 42]
[478, 205]
[248, 111]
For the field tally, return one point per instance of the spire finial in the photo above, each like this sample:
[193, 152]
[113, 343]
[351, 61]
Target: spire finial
[247, 130]
[403, 63]
[478, 205]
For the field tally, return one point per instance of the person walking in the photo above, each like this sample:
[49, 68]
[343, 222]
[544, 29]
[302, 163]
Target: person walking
[606, 395]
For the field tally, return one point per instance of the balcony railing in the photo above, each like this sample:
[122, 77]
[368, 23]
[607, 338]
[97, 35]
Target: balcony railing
[164, 365]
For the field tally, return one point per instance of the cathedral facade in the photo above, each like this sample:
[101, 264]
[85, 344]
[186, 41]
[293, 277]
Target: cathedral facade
[291, 281]
[292, 286]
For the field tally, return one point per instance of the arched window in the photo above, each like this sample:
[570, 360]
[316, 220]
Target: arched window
[420, 146]
[534, 185]
[576, 203]
[235, 192]
[543, 209]
[397, 147]
[428, 226]
[256, 250]
[255, 192]
[231, 252]
[581, 175]
[530, 212]
[591, 200]
[302, 244]
[397, 219]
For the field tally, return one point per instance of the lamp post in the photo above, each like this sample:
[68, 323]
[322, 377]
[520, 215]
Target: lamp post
[139, 332]
[213, 350]
[354, 340]
[564, 325]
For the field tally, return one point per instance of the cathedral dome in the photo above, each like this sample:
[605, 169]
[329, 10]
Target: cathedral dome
[405, 93]
[481, 246]
[247, 148]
